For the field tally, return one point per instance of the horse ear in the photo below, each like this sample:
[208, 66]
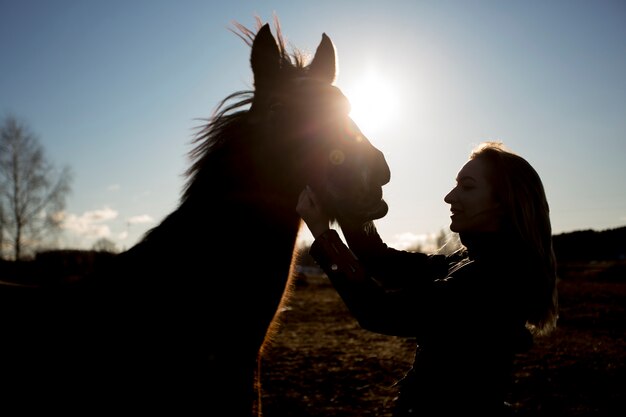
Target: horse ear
[265, 56]
[323, 65]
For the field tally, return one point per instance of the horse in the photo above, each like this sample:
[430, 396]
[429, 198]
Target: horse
[178, 322]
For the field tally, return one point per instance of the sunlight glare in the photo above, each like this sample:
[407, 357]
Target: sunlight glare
[374, 102]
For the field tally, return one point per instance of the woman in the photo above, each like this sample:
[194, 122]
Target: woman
[469, 312]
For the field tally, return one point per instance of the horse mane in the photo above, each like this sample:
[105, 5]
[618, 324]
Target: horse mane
[295, 58]
[226, 120]
[214, 135]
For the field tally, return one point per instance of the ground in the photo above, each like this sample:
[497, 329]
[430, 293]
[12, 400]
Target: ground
[321, 364]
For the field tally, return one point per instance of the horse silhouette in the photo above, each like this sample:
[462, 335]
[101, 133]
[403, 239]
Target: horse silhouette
[176, 323]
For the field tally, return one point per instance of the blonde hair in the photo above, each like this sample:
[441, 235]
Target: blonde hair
[519, 189]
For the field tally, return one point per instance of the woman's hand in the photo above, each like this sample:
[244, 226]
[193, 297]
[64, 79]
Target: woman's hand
[311, 212]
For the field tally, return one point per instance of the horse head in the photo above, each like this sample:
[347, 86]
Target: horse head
[306, 121]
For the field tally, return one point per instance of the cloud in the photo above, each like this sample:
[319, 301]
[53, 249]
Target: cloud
[90, 223]
[113, 187]
[408, 241]
[140, 219]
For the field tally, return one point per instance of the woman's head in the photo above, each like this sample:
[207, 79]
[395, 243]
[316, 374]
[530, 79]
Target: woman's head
[473, 201]
[505, 193]
[518, 190]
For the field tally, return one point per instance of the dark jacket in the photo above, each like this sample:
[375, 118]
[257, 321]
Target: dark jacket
[466, 315]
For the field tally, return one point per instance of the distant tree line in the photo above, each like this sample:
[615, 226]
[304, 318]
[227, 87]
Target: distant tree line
[590, 245]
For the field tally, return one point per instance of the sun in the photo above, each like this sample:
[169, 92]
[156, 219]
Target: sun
[374, 102]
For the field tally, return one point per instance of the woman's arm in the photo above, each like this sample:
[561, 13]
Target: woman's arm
[392, 267]
[374, 307]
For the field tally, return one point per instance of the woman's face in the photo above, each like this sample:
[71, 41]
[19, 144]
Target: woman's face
[472, 203]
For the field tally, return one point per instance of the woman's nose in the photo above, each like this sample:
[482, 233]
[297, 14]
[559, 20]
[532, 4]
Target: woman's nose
[449, 197]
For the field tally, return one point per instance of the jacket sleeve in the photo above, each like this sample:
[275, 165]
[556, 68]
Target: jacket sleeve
[395, 268]
[376, 306]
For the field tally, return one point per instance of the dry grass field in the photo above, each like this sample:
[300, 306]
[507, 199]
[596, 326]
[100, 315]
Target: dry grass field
[321, 364]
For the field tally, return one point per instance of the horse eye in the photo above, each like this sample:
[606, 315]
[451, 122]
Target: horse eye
[276, 106]
[336, 157]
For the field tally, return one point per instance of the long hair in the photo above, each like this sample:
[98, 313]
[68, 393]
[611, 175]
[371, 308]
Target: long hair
[519, 189]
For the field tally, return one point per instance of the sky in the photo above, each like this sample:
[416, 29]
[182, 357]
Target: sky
[116, 89]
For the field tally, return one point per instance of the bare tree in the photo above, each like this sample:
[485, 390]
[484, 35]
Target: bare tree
[32, 191]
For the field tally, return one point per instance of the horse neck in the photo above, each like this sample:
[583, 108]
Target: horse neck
[246, 186]
[249, 208]
[204, 227]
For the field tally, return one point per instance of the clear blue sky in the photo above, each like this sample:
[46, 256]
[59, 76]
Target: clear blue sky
[114, 89]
